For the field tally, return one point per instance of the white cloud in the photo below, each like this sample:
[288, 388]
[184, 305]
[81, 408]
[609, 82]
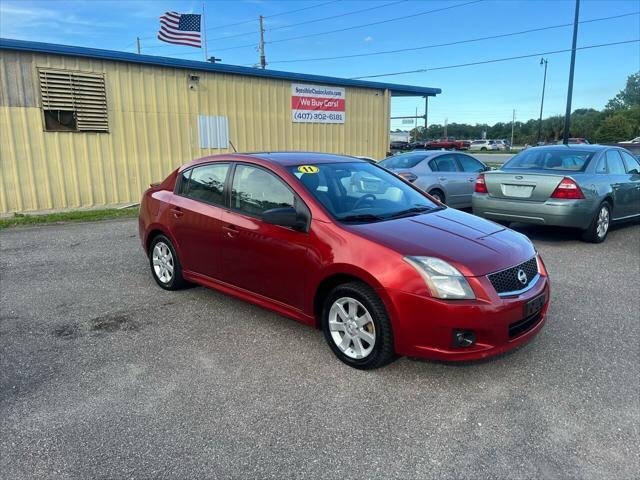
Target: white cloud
[367, 39]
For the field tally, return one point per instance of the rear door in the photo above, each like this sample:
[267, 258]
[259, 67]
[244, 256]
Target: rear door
[196, 214]
[624, 189]
[447, 173]
[633, 169]
[471, 168]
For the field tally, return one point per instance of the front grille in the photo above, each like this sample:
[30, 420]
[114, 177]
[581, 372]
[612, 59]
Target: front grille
[518, 328]
[507, 281]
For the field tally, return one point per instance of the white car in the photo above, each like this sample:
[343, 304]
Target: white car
[484, 145]
[633, 141]
[503, 144]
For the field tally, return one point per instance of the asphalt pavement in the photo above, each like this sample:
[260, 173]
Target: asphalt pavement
[105, 375]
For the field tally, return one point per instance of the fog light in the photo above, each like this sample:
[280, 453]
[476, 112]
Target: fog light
[463, 338]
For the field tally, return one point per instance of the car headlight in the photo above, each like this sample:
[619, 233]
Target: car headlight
[443, 280]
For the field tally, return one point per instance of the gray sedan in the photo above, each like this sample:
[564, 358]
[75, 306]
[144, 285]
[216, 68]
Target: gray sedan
[580, 186]
[447, 176]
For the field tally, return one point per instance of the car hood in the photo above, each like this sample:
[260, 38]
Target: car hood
[474, 245]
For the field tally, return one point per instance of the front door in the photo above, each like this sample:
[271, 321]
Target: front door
[623, 188]
[632, 166]
[265, 259]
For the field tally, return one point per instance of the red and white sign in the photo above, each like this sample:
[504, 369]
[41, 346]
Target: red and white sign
[317, 104]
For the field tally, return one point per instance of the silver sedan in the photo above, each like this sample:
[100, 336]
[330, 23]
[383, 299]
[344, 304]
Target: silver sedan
[448, 176]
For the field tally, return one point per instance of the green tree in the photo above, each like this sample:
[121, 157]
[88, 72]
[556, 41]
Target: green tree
[614, 128]
[627, 97]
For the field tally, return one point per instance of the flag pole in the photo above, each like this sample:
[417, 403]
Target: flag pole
[204, 34]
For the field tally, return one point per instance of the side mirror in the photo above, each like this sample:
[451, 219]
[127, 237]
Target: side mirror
[286, 217]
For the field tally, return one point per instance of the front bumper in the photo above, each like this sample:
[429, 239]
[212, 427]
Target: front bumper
[556, 212]
[424, 326]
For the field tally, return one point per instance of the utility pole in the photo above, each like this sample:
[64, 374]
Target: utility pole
[263, 60]
[445, 127]
[513, 121]
[567, 114]
[544, 83]
[138, 43]
[415, 127]
[426, 113]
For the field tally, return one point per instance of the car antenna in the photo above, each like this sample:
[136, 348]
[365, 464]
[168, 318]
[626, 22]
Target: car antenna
[234, 148]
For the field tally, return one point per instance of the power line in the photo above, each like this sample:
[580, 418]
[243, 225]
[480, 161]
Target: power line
[244, 34]
[244, 22]
[353, 27]
[413, 15]
[495, 60]
[274, 15]
[410, 49]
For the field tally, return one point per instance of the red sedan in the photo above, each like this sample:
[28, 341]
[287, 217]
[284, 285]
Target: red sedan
[343, 245]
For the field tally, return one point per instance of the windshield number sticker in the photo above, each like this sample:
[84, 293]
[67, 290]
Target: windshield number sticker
[308, 169]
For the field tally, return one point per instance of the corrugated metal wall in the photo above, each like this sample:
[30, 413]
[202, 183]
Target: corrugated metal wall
[153, 128]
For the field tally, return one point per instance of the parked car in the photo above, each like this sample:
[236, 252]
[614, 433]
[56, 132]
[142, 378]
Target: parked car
[483, 145]
[633, 141]
[448, 143]
[577, 141]
[346, 246]
[446, 176]
[503, 144]
[397, 145]
[581, 186]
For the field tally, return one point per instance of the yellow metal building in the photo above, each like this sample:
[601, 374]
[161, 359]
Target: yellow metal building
[83, 127]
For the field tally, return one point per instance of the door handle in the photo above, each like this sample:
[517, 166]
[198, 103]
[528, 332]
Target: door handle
[231, 231]
[177, 212]
[442, 179]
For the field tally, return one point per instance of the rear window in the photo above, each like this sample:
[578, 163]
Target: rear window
[553, 160]
[407, 160]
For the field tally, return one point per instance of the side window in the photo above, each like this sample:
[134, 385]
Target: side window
[632, 164]
[182, 182]
[470, 164]
[446, 163]
[614, 163]
[601, 167]
[207, 183]
[256, 190]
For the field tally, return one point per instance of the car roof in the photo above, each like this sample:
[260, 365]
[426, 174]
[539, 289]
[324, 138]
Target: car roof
[284, 159]
[574, 146]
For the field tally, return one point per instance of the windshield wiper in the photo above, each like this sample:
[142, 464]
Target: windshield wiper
[361, 217]
[414, 211]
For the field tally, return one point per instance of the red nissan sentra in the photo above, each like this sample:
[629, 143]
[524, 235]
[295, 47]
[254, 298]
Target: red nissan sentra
[346, 246]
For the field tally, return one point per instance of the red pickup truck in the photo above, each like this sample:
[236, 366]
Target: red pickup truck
[448, 143]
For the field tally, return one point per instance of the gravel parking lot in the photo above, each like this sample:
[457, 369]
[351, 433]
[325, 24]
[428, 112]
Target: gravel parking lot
[106, 375]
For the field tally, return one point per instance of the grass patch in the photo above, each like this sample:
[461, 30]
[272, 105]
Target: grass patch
[73, 216]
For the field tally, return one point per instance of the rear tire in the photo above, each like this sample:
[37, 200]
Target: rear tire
[599, 227]
[165, 265]
[356, 326]
[437, 194]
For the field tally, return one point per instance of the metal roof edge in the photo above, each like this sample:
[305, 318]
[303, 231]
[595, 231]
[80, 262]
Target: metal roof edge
[52, 48]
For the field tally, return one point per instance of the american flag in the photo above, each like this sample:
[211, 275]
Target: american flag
[180, 28]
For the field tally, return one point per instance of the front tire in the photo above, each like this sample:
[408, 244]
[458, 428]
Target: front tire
[599, 227]
[165, 265]
[356, 326]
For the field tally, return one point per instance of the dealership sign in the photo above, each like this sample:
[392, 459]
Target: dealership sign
[317, 103]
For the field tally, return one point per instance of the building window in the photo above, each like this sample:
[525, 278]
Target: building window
[73, 101]
[214, 131]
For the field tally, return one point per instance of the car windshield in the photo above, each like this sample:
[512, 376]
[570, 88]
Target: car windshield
[550, 159]
[406, 160]
[360, 192]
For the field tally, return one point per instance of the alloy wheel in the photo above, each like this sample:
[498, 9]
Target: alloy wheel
[352, 328]
[163, 264]
[602, 225]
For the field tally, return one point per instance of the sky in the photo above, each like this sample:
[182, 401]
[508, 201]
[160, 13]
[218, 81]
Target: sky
[485, 93]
